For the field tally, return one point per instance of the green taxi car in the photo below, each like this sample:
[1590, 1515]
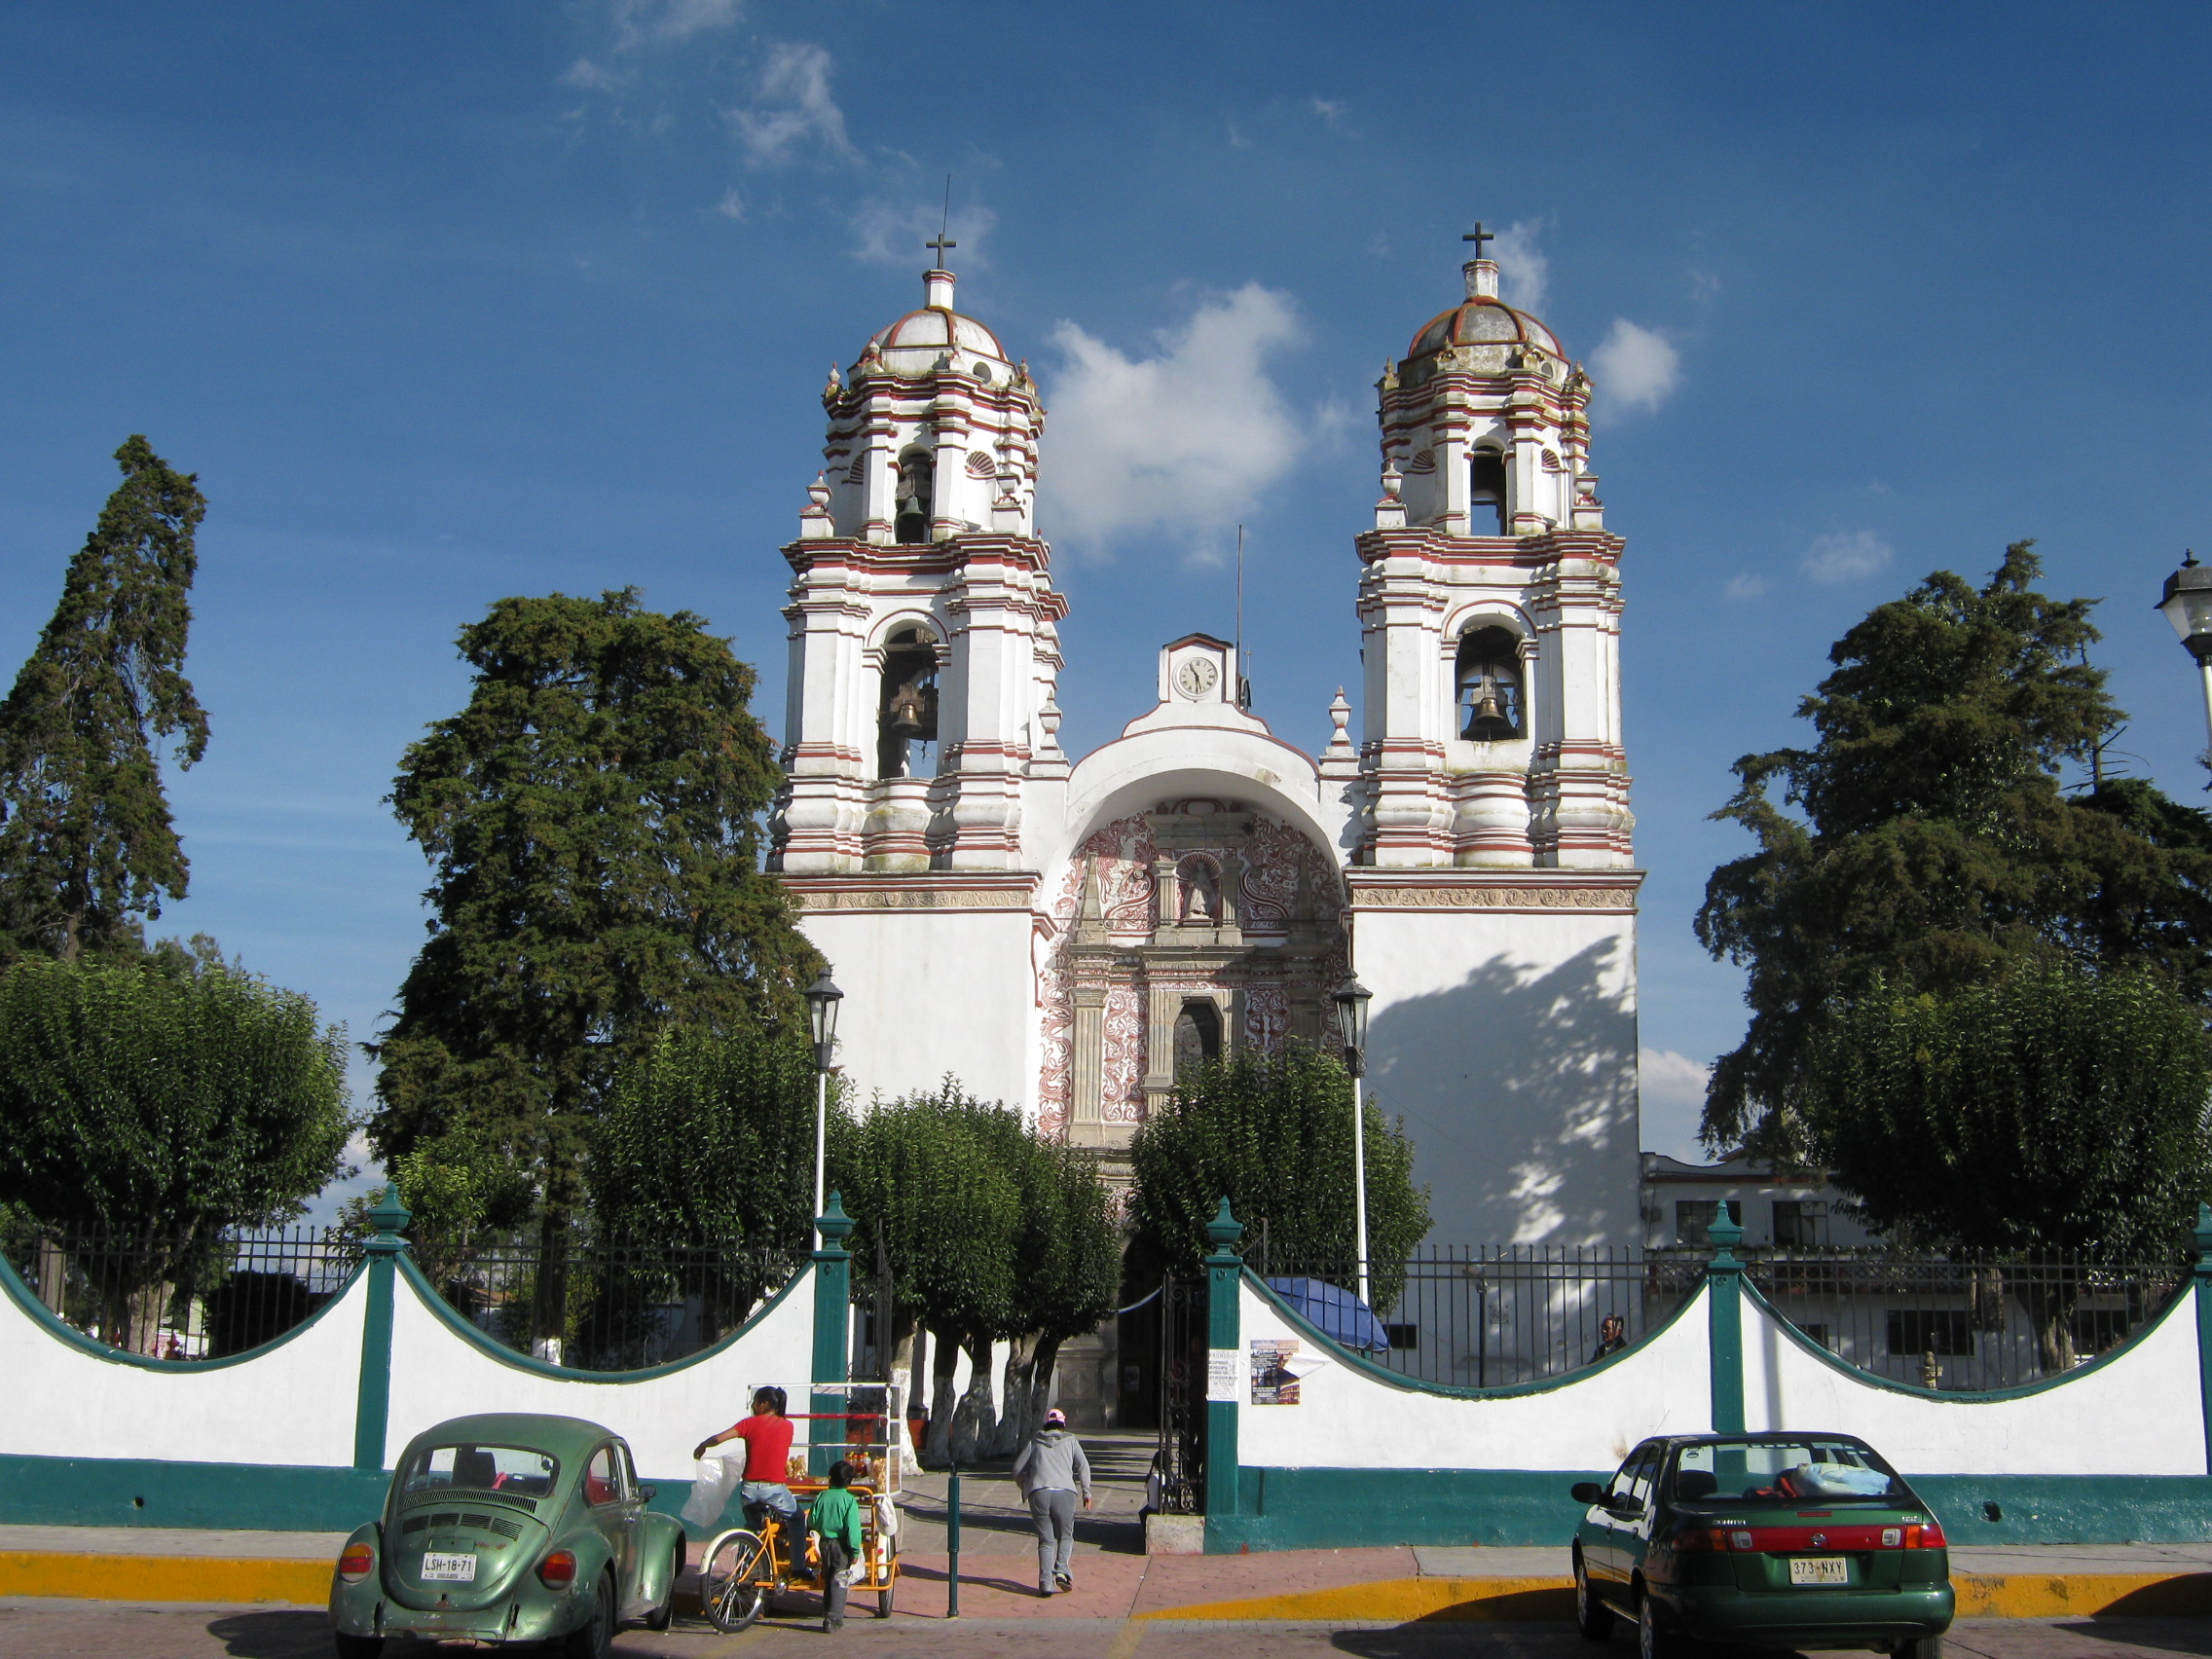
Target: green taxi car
[1764, 1540]
[508, 1528]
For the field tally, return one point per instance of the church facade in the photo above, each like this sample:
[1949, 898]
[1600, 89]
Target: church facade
[1065, 933]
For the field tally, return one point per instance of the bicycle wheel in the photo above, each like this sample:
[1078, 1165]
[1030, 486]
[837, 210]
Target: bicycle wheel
[733, 1580]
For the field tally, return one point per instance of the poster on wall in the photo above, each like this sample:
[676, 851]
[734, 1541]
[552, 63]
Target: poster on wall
[1274, 1381]
[1223, 1383]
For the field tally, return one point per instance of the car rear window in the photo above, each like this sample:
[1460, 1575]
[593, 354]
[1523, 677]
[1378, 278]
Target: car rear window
[1768, 1471]
[467, 1467]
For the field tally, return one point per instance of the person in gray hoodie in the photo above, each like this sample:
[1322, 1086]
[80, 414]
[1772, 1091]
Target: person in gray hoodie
[1053, 1472]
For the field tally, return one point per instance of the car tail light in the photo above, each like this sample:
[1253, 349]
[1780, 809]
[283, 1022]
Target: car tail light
[558, 1570]
[1710, 1540]
[1925, 1537]
[356, 1564]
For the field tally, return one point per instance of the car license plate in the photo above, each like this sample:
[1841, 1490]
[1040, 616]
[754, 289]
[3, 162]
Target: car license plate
[458, 1568]
[1819, 1570]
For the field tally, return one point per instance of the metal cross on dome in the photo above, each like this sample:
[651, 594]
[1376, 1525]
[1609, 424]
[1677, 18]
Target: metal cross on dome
[1478, 235]
[940, 248]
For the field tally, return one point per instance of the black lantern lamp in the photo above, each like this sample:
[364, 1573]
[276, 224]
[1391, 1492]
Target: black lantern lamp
[821, 1000]
[1351, 999]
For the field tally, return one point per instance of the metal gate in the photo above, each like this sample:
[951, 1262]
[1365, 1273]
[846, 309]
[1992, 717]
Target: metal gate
[1181, 1370]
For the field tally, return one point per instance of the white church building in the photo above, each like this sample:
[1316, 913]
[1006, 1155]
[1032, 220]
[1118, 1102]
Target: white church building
[1076, 927]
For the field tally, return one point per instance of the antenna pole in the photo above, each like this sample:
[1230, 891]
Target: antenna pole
[1242, 679]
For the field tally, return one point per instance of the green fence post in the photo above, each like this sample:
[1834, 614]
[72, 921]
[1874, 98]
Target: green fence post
[372, 1399]
[2203, 1275]
[1724, 1312]
[1225, 1275]
[832, 1329]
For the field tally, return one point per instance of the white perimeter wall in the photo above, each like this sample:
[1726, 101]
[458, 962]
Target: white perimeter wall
[1347, 1418]
[2138, 1413]
[1508, 1041]
[929, 992]
[437, 1373]
[291, 1405]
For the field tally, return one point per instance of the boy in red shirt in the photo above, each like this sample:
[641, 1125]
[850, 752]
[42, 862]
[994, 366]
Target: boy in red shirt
[767, 1437]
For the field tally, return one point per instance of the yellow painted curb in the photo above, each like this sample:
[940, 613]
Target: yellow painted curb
[164, 1577]
[1440, 1600]
[1403, 1601]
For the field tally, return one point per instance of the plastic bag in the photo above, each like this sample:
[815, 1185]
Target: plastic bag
[886, 1517]
[713, 1483]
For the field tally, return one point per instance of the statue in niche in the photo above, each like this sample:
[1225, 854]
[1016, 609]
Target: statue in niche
[1199, 892]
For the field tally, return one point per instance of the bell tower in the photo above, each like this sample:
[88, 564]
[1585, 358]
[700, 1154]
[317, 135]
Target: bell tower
[1489, 607]
[924, 624]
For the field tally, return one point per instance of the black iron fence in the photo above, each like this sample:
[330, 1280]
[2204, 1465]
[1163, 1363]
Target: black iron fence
[1490, 1315]
[599, 1306]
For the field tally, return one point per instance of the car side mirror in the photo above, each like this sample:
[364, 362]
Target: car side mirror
[1586, 1492]
[646, 1493]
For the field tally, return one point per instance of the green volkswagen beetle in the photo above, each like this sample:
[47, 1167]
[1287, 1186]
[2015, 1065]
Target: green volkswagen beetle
[508, 1528]
[1768, 1540]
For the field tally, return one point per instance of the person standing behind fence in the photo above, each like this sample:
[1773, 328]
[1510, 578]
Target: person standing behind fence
[1053, 1471]
[1612, 1337]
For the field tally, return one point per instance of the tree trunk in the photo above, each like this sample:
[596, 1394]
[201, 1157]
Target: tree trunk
[549, 1296]
[974, 1421]
[2049, 1295]
[1014, 1394]
[1041, 1366]
[941, 1402]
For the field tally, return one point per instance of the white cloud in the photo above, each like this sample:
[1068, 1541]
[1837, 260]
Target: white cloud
[584, 73]
[1672, 1103]
[1637, 367]
[637, 21]
[1744, 587]
[1237, 138]
[1524, 274]
[1183, 441]
[1845, 557]
[1330, 110]
[731, 205]
[887, 234]
[792, 107]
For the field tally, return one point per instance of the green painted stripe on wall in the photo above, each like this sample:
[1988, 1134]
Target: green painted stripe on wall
[1300, 1509]
[118, 1492]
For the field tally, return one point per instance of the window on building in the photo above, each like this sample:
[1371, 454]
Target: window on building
[1818, 1332]
[1197, 1034]
[1694, 1217]
[1917, 1331]
[1800, 1224]
[1403, 1339]
[906, 713]
[1490, 685]
[917, 487]
[1486, 493]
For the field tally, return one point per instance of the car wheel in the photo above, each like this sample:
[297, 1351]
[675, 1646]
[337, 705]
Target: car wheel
[356, 1646]
[1592, 1617]
[1920, 1647]
[1653, 1639]
[595, 1640]
[662, 1617]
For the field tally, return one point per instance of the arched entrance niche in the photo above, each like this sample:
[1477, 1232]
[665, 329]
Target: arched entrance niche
[1202, 925]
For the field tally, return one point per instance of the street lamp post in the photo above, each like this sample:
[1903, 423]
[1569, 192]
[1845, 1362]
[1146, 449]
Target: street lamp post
[2188, 605]
[821, 1000]
[1351, 999]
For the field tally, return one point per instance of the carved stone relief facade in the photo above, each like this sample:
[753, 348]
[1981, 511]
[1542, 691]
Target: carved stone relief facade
[1198, 901]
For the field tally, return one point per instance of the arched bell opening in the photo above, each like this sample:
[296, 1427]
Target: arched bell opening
[1492, 706]
[907, 709]
[1197, 1034]
[1486, 493]
[917, 489]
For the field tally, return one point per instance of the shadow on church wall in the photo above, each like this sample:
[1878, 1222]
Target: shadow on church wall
[1518, 1087]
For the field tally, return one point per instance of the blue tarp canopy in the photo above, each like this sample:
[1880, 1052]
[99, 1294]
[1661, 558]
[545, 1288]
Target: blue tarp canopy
[1341, 1317]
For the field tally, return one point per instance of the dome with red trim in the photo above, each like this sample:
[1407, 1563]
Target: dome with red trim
[920, 341]
[1494, 332]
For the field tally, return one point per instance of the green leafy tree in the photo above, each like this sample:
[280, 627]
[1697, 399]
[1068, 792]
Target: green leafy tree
[708, 1142]
[592, 819]
[1924, 840]
[158, 1101]
[2049, 1108]
[1070, 1271]
[87, 848]
[1271, 1133]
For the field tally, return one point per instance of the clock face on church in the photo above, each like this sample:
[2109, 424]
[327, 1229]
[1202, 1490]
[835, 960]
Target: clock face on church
[1195, 677]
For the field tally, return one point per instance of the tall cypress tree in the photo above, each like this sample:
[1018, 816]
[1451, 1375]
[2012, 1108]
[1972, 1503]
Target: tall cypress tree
[87, 848]
[593, 819]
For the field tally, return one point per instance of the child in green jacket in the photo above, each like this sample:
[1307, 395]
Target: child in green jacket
[836, 1517]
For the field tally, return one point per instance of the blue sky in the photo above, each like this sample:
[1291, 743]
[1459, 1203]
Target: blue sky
[445, 303]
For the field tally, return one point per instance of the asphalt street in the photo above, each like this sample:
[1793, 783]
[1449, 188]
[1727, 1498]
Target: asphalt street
[97, 1630]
